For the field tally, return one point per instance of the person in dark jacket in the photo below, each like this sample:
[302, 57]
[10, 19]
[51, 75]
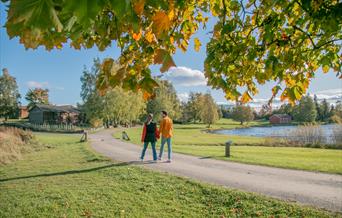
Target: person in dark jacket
[150, 134]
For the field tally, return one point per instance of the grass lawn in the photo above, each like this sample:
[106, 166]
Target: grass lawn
[191, 139]
[69, 180]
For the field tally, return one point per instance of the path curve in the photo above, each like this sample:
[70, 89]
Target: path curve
[316, 189]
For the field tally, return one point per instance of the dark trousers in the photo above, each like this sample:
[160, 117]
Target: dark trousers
[153, 144]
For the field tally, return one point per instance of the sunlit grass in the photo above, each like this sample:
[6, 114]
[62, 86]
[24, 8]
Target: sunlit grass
[69, 180]
[192, 139]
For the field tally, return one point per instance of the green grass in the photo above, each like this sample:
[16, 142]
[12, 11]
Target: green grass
[192, 139]
[69, 180]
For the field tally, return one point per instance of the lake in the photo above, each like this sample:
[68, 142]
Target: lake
[271, 131]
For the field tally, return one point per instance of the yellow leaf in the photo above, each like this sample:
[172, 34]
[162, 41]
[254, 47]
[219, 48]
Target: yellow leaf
[163, 57]
[161, 22]
[172, 40]
[171, 14]
[149, 36]
[137, 36]
[325, 68]
[138, 6]
[245, 98]
[197, 44]
[147, 95]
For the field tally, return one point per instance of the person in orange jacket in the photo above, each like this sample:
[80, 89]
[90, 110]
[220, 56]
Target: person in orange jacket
[150, 134]
[166, 127]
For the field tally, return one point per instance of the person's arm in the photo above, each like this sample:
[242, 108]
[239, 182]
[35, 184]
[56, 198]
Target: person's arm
[143, 134]
[157, 133]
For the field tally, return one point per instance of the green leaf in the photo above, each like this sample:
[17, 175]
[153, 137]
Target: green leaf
[37, 13]
[85, 12]
[120, 7]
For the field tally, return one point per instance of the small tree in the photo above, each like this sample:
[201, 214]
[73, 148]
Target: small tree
[209, 110]
[165, 99]
[9, 95]
[37, 96]
[305, 111]
[242, 114]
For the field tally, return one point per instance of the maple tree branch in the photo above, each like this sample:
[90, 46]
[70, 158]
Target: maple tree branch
[307, 34]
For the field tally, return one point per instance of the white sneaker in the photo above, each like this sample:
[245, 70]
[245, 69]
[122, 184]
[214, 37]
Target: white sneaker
[141, 160]
[169, 161]
[159, 158]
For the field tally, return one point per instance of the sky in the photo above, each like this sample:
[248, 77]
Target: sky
[60, 70]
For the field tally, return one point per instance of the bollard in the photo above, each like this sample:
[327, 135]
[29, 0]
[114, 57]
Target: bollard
[228, 144]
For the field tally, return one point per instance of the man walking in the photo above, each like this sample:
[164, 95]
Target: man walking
[166, 127]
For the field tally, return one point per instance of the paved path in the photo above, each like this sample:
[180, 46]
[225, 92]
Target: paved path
[317, 189]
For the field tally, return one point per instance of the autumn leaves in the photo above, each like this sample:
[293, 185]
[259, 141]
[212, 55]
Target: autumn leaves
[252, 43]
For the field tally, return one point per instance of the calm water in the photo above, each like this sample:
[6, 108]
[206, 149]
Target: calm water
[271, 131]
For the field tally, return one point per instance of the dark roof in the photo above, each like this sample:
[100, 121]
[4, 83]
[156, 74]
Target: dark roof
[55, 108]
[281, 115]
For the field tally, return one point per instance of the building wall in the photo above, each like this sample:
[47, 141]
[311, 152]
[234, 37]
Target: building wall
[23, 113]
[36, 116]
[277, 120]
[274, 120]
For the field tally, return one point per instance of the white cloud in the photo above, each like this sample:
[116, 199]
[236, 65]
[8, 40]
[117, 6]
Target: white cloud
[35, 84]
[329, 94]
[184, 76]
[43, 85]
[184, 97]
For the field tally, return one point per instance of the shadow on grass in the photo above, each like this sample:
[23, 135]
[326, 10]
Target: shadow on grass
[70, 171]
[207, 157]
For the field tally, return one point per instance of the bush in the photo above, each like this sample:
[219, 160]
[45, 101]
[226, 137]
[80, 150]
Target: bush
[335, 119]
[96, 123]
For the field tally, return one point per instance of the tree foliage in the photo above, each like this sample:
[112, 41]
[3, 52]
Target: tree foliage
[116, 106]
[252, 42]
[165, 99]
[37, 96]
[192, 108]
[209, 110]
[242, 113]
[9, 95]
[305, 110]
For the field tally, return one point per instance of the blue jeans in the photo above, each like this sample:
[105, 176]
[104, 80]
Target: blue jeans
[169, 147]
[153, 144]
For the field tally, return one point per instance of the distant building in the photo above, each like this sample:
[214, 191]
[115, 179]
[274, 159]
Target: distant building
[52, 114]
[23, 112]
[280, 119]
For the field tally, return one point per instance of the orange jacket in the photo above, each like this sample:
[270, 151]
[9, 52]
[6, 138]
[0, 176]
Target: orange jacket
[166, 127]
[144, 133]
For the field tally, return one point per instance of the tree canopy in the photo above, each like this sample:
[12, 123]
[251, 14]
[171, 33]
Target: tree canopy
[285, 41]
[37, 96]
[115, 107]
[9, 95]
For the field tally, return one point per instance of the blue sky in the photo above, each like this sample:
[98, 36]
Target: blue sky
[60, 70]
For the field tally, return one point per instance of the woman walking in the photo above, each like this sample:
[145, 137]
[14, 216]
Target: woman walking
[150, 134]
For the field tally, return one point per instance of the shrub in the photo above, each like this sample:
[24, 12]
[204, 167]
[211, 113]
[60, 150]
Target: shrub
[335, 119]
[96, 123]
